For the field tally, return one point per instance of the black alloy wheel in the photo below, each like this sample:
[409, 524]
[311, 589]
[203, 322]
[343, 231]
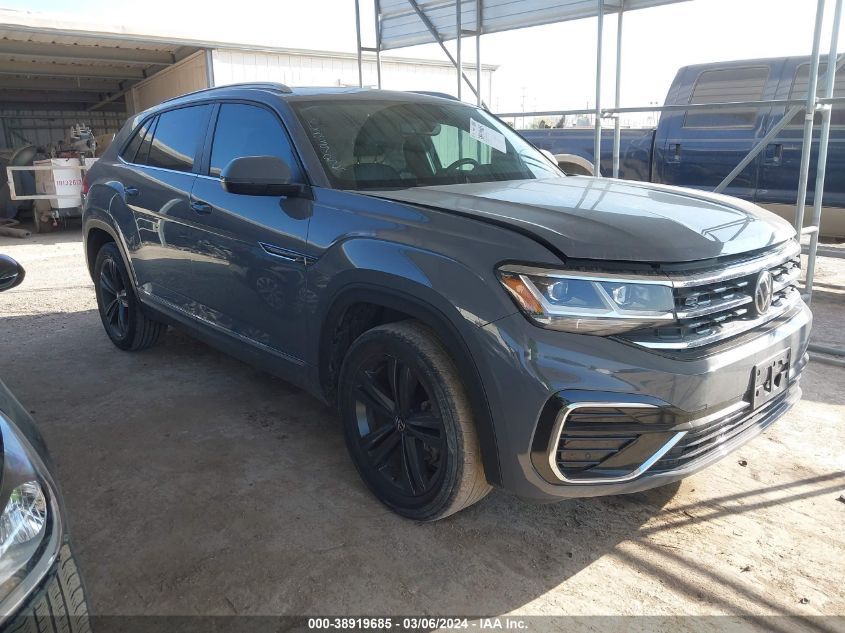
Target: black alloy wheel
[408, 423]
[400, 429]
[115, 299]
[120, 310]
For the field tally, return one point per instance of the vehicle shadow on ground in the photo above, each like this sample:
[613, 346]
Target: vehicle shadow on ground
[197, 484]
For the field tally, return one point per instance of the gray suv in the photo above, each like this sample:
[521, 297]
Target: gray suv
[478, 317]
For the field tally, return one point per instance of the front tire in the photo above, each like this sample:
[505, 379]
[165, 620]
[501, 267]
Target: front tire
[120, 310]
[408, 423]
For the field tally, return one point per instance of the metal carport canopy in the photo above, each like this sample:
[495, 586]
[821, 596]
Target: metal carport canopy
[400, 24]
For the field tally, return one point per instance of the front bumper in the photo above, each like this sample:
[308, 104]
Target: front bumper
[532, 374]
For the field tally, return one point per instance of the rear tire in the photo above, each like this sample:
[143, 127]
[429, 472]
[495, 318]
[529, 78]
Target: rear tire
[120, 310]
[408, 423]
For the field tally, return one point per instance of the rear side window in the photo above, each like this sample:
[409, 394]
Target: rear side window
[726, 85]
[799, 91]
[131, 150]
[178, 135]
[247, 130]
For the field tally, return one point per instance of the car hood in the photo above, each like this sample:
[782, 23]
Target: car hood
[599, 218]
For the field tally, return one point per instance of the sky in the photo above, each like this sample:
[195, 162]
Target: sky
[540, 68]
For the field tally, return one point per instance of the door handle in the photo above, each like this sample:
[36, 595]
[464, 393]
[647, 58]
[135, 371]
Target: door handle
[131, 192]
[676, 153]
[774, 154]
[201, 207]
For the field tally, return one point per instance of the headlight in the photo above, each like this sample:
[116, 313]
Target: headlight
[588, 304]
[30, 524]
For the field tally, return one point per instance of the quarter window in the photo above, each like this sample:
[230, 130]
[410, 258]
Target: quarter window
[727, 85]
[246, 130]
[799, 91]
[178, 135]
[144, 149]
[131, 150]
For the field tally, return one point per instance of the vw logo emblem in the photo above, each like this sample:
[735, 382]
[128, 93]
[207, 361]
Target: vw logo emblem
[763, 292]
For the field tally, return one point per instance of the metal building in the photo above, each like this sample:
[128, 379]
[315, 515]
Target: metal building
[55, 73]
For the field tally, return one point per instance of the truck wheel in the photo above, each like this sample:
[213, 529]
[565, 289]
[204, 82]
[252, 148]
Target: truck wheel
[120, 310]
[408, 423]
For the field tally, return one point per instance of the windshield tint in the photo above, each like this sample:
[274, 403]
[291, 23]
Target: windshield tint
[390, 144]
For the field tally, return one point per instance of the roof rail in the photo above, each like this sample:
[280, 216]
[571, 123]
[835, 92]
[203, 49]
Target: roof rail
[257, 85]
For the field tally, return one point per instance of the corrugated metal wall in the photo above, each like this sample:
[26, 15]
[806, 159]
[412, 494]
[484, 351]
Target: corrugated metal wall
[188, 75]
[233, 66]
[43, 127]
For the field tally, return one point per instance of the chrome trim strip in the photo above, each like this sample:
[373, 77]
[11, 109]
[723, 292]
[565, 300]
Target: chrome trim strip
[791, 277]
[284, 253]
[557, 431]
[728, 330]
[714, 307]
[721, 413]
[769, 260]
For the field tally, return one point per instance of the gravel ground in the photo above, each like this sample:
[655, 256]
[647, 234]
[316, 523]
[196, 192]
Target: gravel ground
[196, 484]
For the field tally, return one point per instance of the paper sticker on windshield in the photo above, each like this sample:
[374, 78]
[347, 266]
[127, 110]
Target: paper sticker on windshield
[487, 135]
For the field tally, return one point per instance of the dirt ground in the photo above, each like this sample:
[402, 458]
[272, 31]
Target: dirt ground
[196, 484]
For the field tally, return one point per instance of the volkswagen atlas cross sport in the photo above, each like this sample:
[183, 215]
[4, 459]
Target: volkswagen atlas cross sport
[479, 317]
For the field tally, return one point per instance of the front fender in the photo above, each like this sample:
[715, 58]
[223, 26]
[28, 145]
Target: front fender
[442, 293]
[469, 296]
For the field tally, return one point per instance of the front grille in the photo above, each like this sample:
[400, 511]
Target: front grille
[707, 438]
[713, 306]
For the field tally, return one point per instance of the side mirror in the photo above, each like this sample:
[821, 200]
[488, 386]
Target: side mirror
[11, 273]
[259, 176]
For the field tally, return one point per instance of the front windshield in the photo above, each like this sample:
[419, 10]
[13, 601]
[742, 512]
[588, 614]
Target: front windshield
[398, 144]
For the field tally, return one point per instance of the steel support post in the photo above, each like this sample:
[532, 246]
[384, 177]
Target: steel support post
[378, 42]
[458, 38]
[617, 133]
[430, 27]
[597, 139]
[809, 114]
[358, 34]
[478, 53]
[824, 138]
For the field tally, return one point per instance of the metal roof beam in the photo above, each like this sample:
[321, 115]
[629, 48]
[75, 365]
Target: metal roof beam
[68, 70]
[45, 96]
[59, 84]
[79, 53]
[54, 106]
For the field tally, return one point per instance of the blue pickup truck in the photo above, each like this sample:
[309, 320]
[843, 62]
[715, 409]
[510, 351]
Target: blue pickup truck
[699, 148]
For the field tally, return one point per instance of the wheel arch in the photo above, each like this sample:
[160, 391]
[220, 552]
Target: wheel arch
[574, 165]
[97, 233]
[396, 305]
